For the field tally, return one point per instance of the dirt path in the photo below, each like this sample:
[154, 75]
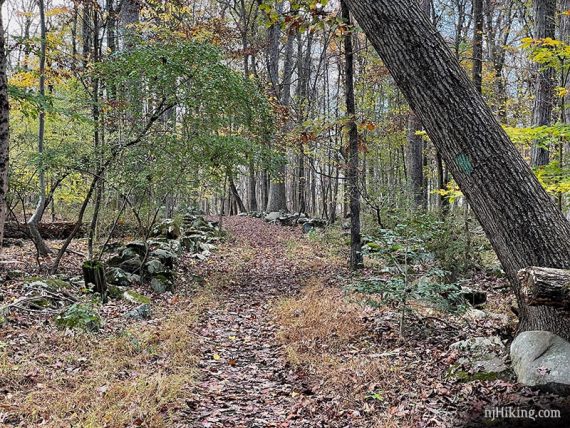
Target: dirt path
[245, 380]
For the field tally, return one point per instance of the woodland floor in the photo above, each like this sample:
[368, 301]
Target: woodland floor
[262, 334]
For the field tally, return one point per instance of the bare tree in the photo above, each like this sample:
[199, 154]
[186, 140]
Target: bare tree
[4, 129]
[41, 246]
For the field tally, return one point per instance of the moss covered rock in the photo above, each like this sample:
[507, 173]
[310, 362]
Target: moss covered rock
[134, 297]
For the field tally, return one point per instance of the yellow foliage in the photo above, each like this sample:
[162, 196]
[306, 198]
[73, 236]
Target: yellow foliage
[24, 80]
[561, 91]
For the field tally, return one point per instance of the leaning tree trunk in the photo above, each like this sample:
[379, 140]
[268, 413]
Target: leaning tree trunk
[520, 219]
[4, 129]
[545, 26]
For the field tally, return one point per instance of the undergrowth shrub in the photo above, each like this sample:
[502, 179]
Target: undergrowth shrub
[81, 316]
[454, 242]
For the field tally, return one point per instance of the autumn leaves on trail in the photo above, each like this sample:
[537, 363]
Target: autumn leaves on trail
[245, 378]
[284, 343]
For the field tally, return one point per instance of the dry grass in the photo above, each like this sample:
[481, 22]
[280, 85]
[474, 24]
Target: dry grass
[313, 254]
[318, 322]
[324, 335]
[134, 378]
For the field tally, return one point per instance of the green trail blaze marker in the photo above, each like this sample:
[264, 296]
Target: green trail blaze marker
[464, 163]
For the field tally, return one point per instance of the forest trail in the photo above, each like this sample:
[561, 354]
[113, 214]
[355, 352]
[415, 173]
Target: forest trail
[244, 378]
[281, 345]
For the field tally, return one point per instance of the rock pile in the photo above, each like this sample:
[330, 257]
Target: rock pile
[199, 235]
[152, 262]
[155, 261]
[289, 219]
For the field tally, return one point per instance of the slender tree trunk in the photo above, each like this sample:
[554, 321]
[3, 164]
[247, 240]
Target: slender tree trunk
[523, 224]
[95, 54]
[416, 147]
[278, 189]
[565, 37]
[235, 194]
[41, 246]
[252, 179]
[477, 69]
[273, 36]
[544, 21]
[302, 182]
[356, 259]
[4, 129]
[86, 32]
[252, 186]
[416, 161]
[129, 15]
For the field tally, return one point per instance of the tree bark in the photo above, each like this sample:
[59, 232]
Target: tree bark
[519, 218]
[544, 22]
[94, 273]
[356, 259]
[546, 286]
[4, 129]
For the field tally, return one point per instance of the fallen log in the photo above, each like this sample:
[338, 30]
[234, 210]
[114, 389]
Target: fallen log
[59, 230]
[55, 230]
[546, 286]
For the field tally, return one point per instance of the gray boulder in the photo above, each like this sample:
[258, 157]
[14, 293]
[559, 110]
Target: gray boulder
[129, 253]
[167, 258]
[161, 284]
[132, 265]
[483, 358]
[142, 312]
[155, 267]
[479, 344]
[273, 216]
[288, 219]
[173, 245]
[167, 229]
[307, 227]
[188, 243]
[139, 247]
[134, 297]
[542, 359]
[118, 276]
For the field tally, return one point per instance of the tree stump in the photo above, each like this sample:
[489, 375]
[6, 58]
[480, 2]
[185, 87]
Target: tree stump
[94, 273]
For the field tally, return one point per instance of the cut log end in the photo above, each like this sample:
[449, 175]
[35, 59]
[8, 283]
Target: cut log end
[546, 286]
